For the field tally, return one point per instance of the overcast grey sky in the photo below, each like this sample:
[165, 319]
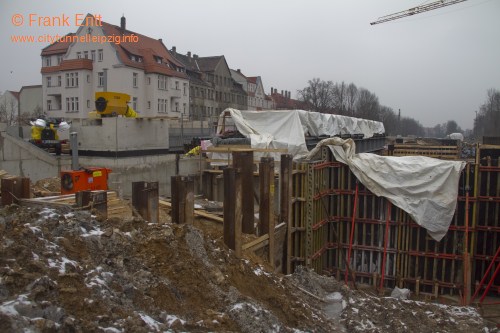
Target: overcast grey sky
[434, 66]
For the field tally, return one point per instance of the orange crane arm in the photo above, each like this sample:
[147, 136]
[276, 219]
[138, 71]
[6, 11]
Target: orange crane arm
[417, 10]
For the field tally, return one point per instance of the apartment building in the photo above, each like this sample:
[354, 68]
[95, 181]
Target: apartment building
[77, 66]
[253, 86]
[212, 88]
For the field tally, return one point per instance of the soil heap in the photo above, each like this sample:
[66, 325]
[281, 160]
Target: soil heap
[76, 272]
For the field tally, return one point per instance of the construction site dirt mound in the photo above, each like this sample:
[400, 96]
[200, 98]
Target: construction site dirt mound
[73, 272]
[47, 186]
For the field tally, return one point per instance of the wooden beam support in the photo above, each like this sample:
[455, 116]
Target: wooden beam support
[286, 169]
[97, 200]
[232, 210]
[145, 199]
[243, 160]
[266, 211]
[14, 188]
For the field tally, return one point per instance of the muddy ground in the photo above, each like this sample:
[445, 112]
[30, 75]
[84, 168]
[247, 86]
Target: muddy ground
[76, 272]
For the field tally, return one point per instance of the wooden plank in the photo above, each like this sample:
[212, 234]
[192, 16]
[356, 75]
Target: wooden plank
[197, 212]
[244, 148]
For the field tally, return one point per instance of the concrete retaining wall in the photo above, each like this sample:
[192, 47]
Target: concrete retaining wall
[121, 134]
[19, 157]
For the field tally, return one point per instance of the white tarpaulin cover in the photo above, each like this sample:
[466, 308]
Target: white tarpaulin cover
[288, 128]
[424, 187]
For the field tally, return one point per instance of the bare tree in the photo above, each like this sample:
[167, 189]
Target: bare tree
[488, 119]
[38, 112]
[367, 105]
[351, 97]
[8, 112]
[410, 126]
[339, 97]
[390, 120]
[318, 94]
[452, 127]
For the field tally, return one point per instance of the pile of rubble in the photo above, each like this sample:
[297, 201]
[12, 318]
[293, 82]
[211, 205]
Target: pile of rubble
[75, 272]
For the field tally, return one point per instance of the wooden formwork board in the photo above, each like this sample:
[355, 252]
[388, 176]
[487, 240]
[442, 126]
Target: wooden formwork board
[412, 258]
[441, 152]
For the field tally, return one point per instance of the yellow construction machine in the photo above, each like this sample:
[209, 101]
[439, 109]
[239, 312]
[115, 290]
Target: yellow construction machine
[112, 104]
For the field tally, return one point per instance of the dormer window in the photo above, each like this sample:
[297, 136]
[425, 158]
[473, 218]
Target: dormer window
[158, 60]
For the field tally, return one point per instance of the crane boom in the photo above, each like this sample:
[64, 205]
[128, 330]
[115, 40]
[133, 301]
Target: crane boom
[417, 10]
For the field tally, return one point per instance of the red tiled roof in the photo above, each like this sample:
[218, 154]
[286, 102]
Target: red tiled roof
[67, 65]
[252, 79]
[58, 47]
[146, 47]
[284, 103]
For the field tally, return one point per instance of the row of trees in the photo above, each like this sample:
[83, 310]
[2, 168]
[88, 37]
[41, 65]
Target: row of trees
[349, 100]
[487, 121]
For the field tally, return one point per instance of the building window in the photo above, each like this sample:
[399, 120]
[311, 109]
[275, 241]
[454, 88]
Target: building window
[149, 104]
[176, 109]
[184, 86]
[49, 81]
[162, 105]
[79, 55]
[184, 108]
[100, 55]
[47, 62]
[59, 80]
[88, 78]
[71, 79]
[162, 82]
[92, 55]
[86, 54]
[134, 80]
[59, 59]
[134, 103]
[88, 103]
[72, 104]
[177, 85]
[100, 79]
[49, 104]
[149, 80]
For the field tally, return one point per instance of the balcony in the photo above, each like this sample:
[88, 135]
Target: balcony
[54, 90]
[175, 93]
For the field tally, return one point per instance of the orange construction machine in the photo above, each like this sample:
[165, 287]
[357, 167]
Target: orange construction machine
[84, 179]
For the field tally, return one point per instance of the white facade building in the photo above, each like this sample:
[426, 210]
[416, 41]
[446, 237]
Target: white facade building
[30, 100]
[79, 65]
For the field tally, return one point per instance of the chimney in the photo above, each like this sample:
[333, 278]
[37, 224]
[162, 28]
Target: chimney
[282, 93]
[189, 54]
[123, 23]
[272, 90]
[195, 56]
[238, 70]
[174, 49]
[160, 40]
